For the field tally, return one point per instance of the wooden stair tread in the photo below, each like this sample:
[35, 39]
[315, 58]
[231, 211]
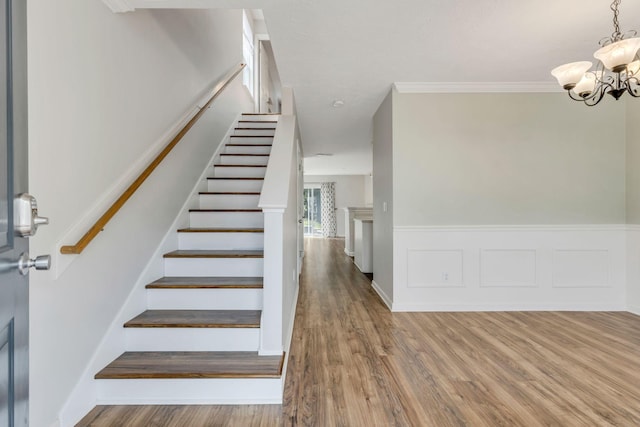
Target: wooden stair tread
[219, 165]
[245, 154]
[206, 253]
[225, 210]
[206, 283]
[257, 121]
[237, 177]
[193, 364]
[196, 319]
[251, 136]
[229, 193]
[221, 230]
[248, 145]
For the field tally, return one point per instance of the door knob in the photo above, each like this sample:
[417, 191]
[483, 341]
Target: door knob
[42, 262]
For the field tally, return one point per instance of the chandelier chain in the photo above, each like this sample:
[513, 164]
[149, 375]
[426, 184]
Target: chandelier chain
[617, 35]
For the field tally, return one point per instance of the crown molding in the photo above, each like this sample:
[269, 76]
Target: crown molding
[119, 6]
[476, 87]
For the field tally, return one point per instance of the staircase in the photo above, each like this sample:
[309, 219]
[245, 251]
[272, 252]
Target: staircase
[198, 340]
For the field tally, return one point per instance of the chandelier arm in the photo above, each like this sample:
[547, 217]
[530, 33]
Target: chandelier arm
[595, 98]
[632, 84]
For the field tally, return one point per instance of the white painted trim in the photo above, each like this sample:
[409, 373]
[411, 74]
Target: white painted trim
[550, 227]
[385, 298]
[349, 253]
[425, 307]
[84, 395]
[289, 337]
[585, 279]
[633, 228]
[634, 309]
[289, 333]
[476, 87]
[275, 189]
[119, 6]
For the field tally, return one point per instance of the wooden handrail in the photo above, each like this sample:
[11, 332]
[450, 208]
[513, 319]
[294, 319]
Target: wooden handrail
[115, 207]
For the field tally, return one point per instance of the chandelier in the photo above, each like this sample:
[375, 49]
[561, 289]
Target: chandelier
[616, 72]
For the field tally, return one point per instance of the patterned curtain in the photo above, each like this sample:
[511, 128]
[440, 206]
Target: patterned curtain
[328, 197]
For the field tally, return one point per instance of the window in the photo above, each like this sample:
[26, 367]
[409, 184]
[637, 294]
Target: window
[247, 53]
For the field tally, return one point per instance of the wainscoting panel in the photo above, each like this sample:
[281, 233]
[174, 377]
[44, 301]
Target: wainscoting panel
[503, 268]
[508, 268]
[581, 268]
[434, 269]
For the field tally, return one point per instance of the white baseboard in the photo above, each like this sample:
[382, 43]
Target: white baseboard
[289, 336]
[349, 253]
[385, 298]
[426, 307]
[289, 333]
[634, 309]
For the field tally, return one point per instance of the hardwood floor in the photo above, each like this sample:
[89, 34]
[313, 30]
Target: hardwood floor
[353, 363]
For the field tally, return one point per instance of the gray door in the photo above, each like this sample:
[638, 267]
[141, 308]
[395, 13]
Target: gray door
[14, 291]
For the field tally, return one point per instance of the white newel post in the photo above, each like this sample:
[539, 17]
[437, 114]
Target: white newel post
[271, 325]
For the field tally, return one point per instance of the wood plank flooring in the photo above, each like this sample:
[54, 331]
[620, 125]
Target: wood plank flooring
[353, 363]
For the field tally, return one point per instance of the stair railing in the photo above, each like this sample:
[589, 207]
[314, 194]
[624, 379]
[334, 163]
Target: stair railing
[99, 225]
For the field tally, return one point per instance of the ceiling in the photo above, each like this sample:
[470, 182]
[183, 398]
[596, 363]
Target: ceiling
[355, 50]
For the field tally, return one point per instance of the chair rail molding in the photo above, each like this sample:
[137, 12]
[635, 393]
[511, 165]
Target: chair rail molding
[119, 6]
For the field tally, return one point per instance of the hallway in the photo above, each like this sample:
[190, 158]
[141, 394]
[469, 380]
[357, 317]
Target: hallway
[354, 363]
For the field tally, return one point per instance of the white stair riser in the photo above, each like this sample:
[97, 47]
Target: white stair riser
[253, 123]
[204, 299]
[226, 219]
[251, 140]
[223, 267]
[228, 241]
[192, 339]
[190, 391]
[242, 185]
[231, 149]
[227, 171]
[244, 160]
[260, 117]
[229, 201]
[254, 132]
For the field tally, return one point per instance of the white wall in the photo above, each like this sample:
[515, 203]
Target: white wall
[508, 202]
[350, 192]
[383, 189]
[104, 89]
[507, 159]
[368, 190]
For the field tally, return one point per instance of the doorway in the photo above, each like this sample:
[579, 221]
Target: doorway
[312, 217]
